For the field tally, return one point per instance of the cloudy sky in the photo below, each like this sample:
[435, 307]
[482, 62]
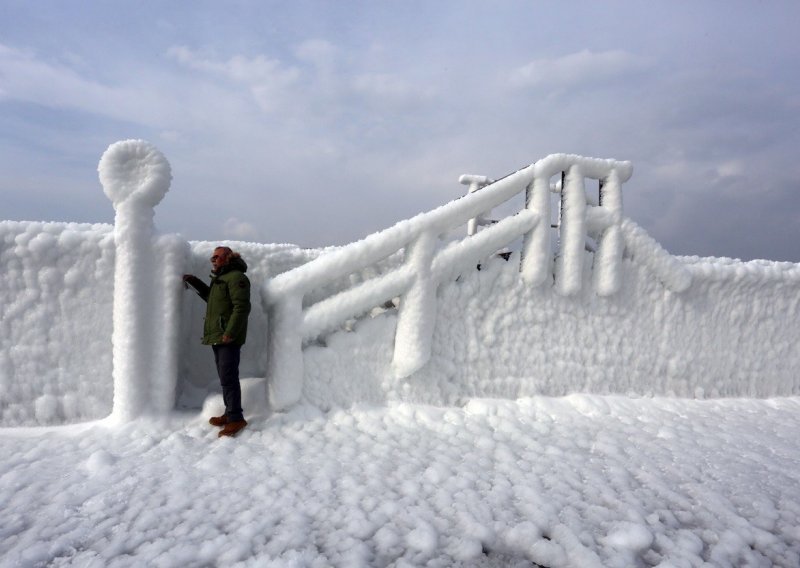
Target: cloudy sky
[318, 122]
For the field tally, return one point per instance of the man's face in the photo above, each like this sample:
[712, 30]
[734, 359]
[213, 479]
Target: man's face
[220, 258]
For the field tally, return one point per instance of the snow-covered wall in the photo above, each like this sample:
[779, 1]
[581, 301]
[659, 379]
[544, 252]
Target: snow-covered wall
[56, 296]
[56, 306]
[56, 317]
[733, 333]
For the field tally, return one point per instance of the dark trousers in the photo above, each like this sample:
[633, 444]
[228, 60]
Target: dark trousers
[227, 360]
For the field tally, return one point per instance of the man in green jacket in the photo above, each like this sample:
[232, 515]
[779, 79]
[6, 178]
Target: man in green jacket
[225, 329]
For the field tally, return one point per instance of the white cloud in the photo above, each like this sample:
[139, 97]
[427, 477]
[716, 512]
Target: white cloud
[732, 168]
[252, 70]
[268, 80]
[383, 86]
[318, 52]
[26, 78]
[149, 100]
[583, 67]
[237, 230]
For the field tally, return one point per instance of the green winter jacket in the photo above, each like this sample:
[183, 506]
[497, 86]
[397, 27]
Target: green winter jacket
[228, 299]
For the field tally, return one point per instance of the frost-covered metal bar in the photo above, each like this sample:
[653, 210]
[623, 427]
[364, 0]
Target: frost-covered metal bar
[463, 255]
[328, 314]
[380, 245]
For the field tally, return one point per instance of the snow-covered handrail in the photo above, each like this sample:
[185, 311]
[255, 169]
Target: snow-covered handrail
[424, 267]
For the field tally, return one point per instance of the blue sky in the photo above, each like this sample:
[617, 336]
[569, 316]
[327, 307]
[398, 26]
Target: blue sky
[319, 122]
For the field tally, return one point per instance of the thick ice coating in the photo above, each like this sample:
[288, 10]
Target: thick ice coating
[134, 169]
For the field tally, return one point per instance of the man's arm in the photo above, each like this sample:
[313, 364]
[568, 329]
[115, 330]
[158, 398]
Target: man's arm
[200, 287]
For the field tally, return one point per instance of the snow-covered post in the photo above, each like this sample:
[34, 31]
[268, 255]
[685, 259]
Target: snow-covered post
[136, 177]
[610, 244]
[416, 317]
[284, 350]
[535, 256]
[475, 183]
[569, 264]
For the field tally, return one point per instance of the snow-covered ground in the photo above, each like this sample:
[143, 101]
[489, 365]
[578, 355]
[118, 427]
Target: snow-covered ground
[376, 468]
[574, 481]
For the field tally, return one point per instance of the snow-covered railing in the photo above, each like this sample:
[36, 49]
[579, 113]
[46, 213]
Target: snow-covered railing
[426, 265]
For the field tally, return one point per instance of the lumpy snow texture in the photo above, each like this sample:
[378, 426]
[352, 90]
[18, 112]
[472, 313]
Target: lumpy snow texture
[584, 480]
[56, 294]
[733, 333]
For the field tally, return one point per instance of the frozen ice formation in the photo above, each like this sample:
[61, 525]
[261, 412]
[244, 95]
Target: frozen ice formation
[134, 169]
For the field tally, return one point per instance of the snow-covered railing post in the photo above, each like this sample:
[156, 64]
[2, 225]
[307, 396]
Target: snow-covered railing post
[284, 350]
[475, 183]
[535, 255]
[417, 314]
[572, 233]
[604, 221]
[136, 177]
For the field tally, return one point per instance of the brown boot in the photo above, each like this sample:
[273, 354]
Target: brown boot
[219, 421]
[232, 428]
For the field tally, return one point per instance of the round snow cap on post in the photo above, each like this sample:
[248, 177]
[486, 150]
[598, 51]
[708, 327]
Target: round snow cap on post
[134, 169]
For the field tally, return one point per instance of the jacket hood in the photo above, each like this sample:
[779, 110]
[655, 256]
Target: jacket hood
[236, 263]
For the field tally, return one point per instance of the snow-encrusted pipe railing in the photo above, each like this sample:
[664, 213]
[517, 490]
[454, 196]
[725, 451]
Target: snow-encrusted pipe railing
[378, 246]
[283, 295]
[328, 314]
[460, 256]
[136, 177]
[416, 281]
